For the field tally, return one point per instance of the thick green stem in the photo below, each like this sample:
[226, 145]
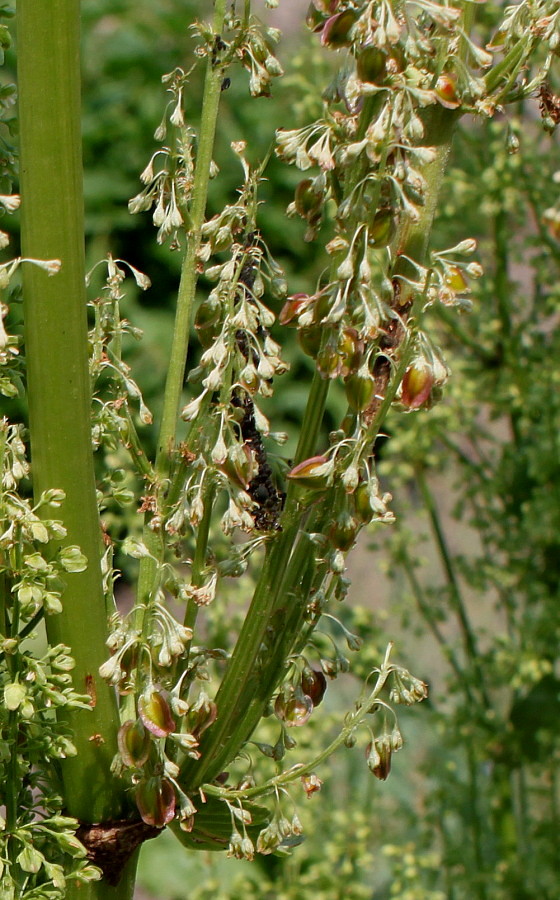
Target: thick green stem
[57, 370]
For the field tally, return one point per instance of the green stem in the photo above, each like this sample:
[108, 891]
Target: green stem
[476, 824]
[57, 371]
[242, 679]
[185, 301]
[469, 639]
[431, 621]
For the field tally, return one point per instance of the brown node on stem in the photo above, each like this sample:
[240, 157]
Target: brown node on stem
[110, 844]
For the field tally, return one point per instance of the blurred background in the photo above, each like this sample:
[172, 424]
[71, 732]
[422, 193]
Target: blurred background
[467, 580]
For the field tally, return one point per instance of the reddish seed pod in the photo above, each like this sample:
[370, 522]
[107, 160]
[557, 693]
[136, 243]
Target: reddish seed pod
[155, 713]
[155, 799]
[292, 308]
[313, 685]
[336, 30]
[446, 91]
[134, 743]
[314, 473]
[417, 385]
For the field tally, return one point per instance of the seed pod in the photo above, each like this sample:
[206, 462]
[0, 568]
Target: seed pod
[134, 743]
[306, 199]
[309, 340]
[359, 389]
[446, 91]
[455, 279]
[350, 348]
[343, 532]
[155, 799]
[314, 473]
[336, 31]
[155, 713]
[371, 65]
[383, 228]
[314, 19]
[328, 361]
[362, 503]
[292, 308]
[293, 707]
[313, 685]
[378, 754]
[417, 385]
[208, 312]
[239, 466]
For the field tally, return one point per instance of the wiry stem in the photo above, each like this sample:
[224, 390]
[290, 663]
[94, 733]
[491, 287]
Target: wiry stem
[187, 287]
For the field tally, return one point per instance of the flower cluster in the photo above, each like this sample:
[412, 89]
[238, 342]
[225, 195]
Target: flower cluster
[36, 839]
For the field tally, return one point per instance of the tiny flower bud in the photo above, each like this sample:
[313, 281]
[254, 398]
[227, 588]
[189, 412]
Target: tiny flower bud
[311, 784]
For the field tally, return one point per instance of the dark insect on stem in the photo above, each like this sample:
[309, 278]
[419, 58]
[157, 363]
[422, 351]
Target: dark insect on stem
[549, 103]
[225, 84]
[261, 489]
[219, 47]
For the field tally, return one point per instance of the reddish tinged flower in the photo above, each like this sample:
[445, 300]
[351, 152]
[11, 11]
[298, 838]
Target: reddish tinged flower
[311, 784]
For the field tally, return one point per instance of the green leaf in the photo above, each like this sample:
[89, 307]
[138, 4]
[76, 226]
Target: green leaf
[212, 826]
